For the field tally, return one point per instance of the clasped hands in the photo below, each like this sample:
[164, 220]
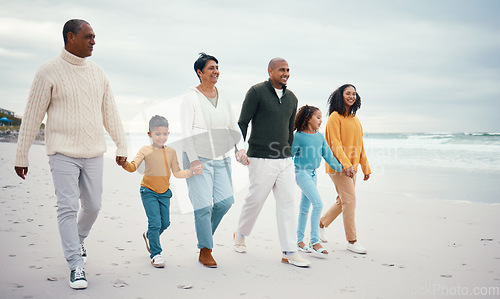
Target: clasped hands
[197, 167]
[351, 172]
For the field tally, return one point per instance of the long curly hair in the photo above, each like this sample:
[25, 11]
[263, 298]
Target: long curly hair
[303, 116]
[336, 101]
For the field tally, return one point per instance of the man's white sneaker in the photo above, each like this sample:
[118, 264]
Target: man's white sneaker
[322, 234]
[83, 253]
[77, 279]
[356, 248]
[157, 261]
[295, 259]
[239, 244]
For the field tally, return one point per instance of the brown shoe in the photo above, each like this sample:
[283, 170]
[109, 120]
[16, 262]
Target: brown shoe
[206, 258]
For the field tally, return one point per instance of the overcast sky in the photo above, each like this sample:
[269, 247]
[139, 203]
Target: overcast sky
[419, 66]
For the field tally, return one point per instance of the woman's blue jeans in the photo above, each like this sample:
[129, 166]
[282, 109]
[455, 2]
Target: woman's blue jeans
[306, 180]
[211, 194]
[157, 207]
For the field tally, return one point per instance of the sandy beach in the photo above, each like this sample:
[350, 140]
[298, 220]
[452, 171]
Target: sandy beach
[418, 246]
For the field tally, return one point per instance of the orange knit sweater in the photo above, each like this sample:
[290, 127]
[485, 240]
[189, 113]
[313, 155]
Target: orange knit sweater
[344, 135]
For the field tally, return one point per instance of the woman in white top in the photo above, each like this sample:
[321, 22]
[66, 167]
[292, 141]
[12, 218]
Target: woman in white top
[210, 132]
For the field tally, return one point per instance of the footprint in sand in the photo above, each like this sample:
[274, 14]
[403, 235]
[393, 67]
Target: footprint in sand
[120, 284]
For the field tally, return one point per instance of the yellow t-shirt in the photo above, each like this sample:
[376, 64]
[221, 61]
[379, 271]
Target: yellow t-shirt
[159, 163]
[344, 135]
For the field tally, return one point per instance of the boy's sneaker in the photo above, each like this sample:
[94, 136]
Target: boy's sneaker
[77, 279]
[83, 253]
[295, 259]
[157, 261]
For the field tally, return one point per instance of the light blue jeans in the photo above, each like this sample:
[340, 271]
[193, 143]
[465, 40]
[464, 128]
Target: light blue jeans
[211, 194]
[306, 180]
[157, 207]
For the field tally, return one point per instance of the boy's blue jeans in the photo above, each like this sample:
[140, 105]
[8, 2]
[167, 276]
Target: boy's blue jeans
[211, 194]
[306, 180]
[157, 207]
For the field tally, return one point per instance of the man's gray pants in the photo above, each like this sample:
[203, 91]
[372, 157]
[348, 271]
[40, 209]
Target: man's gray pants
[74, 179]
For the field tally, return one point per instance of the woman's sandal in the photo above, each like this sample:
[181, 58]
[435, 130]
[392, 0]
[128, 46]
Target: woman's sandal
[305, 248]
[321, 252]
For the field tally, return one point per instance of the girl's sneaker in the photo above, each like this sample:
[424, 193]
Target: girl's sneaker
[157, 261]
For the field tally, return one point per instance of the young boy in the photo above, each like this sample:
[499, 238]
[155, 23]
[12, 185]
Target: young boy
[155, 192]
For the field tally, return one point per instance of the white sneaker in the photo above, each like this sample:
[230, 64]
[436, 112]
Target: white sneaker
[295, 259]
[356, 248]
[157, 261]
[77, 279]
[322, 235]
[239, 244]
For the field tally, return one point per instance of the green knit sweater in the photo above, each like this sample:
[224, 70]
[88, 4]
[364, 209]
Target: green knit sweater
[272, 121]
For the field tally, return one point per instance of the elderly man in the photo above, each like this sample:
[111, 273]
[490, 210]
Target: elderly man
[271, 108]
[75, 94]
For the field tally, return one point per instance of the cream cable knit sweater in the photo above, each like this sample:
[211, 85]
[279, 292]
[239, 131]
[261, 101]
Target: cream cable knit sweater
[75, 94]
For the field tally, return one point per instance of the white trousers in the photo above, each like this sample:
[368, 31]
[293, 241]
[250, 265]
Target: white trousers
[75, 180]
[276, 175]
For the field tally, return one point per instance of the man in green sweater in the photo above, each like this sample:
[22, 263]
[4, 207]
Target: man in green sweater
[271, 109]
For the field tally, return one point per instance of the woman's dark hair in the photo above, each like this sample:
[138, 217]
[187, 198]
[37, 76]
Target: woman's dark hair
[73, 25]
[157, 121]
[200, 63]
[303, 116]
[336, 101]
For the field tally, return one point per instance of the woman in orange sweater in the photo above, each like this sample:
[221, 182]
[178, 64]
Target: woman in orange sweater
[345, 137]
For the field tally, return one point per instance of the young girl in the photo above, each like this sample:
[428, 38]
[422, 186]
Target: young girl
[155, 192]
[308, 148]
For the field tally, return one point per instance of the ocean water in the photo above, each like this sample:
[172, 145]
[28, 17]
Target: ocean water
[460, 151]
[449, 166]
[461, 167]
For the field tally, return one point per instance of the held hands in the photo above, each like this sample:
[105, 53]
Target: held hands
[121, 161]
[351, 172]
[241, 156]
[196, 167]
